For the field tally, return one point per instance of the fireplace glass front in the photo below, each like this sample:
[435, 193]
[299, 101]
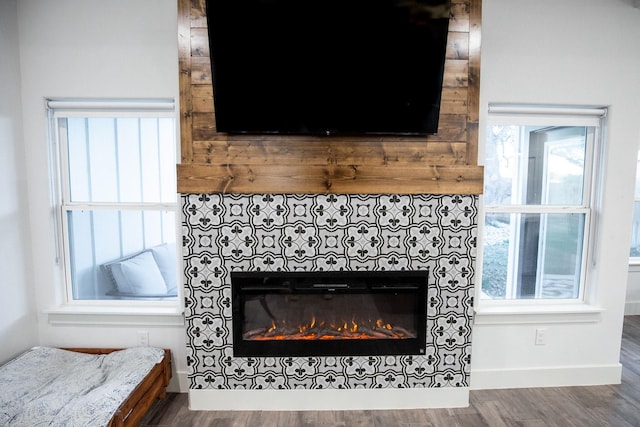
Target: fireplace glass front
[329, 313]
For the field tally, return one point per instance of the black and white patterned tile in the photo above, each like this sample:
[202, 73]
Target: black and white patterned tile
[223, 233]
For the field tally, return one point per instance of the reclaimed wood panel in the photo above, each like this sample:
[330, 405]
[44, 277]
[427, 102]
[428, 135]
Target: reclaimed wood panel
[459, 17]
[202, 98]
[388, 153]
[457, 46]
[195, 9]
[473, 111]
[184, 80]
[199, 42]
[452, 127]
[200, 71]
[455, 100]
[445, 163]
[456, 73]
[312, 179]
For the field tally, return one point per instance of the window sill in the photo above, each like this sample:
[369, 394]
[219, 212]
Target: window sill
[115, 316]
[517, 312]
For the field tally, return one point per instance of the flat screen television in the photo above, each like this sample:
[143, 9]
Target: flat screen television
[327, 67]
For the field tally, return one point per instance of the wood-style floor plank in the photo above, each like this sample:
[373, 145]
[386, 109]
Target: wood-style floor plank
[609, 405]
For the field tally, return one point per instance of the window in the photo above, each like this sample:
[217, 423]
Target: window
[634, 252]
[539, 203]
[117, 199]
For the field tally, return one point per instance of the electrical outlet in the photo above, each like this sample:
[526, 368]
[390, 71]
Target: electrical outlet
[541, 336]
[143, 338]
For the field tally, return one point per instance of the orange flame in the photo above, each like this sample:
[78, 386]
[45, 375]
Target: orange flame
[321, 330]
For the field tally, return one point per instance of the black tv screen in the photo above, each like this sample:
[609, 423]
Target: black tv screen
[327, 67]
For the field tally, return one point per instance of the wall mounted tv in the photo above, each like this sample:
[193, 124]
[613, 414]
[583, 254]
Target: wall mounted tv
[327, 67]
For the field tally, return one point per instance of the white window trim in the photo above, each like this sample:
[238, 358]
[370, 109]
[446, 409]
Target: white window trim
[524, 311]
[105, 312]
[124, 315]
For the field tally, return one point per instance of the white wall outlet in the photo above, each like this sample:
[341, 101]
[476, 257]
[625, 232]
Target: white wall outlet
[541, 336]
[143, 338]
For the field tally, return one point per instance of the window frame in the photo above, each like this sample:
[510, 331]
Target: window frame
[634, 261]
[584, 307]
[61, 109]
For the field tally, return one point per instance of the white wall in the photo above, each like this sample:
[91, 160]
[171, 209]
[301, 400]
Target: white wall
[18, 329]
[580, 52]
[87, 49]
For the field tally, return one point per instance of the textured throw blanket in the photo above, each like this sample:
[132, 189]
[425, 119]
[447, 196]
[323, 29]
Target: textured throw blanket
[53, 387]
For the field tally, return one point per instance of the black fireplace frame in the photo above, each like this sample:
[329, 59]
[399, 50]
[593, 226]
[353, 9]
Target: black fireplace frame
[245, 284]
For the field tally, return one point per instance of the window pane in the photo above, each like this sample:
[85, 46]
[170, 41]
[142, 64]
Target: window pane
[103, 167]
[503, 154]
[98, 238]
[563, 168]
[149, 150]
[127, 160]
[495, 257]
[635, 231]
[536, 256]
[535, 165]
[77, 155]
[637, 192]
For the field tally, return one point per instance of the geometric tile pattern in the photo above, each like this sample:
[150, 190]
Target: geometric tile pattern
[283, 232]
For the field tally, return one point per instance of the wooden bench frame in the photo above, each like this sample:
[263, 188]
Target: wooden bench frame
[142, 398]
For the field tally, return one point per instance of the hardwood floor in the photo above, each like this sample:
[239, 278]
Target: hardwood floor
[611, 405]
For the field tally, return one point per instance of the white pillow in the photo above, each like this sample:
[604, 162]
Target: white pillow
[139, 275]
[165, 256]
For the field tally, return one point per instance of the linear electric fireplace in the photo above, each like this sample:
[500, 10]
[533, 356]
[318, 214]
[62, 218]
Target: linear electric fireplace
[355, 313]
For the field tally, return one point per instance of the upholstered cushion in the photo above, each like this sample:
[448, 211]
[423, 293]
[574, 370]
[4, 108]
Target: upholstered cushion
[165, 256]
[138, 275]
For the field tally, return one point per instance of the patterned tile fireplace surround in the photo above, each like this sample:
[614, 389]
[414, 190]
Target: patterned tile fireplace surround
[278, 232]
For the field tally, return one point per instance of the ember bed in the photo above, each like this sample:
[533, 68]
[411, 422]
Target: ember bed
[82, 386]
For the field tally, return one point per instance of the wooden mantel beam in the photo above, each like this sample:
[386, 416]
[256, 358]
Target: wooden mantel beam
[311, 179]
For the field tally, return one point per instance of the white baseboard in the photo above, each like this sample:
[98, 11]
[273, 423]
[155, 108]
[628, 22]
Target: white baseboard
[319, 400]
[485, 379]
[632, 308]
[450, 397]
